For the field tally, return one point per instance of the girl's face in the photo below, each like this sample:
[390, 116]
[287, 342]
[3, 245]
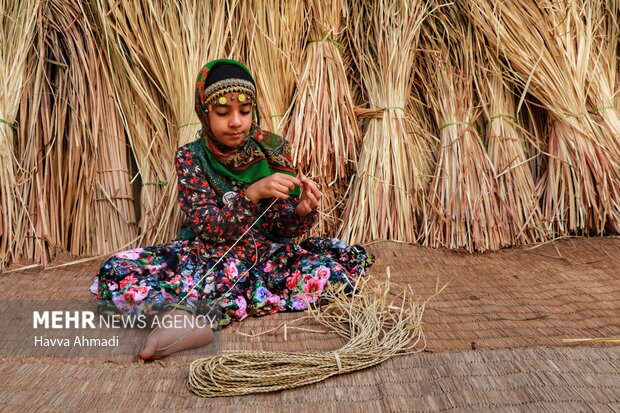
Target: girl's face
[231, 121]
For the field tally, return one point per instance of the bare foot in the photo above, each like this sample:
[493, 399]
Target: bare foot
[182, 333]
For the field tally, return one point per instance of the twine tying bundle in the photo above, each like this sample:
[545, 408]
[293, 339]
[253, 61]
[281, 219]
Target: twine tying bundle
[377, 323]
[375, 113]
[11, 124]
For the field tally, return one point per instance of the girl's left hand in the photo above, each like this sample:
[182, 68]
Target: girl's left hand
[310, 196]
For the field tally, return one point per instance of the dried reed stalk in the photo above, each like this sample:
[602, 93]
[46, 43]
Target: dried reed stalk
[582, 182]
[73, 182]
[65, 164]
[274, 37]
[17, 32]
[612, 340]
[463, 207]
[518, 202]
[87, 172]
[535, 122]
[323, 129]
[157, 48]
[33, 217]
[604, 84]
[425, 145]
[377, 323]
[387, 195]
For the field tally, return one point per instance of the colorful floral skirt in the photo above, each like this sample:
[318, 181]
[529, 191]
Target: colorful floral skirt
[149, 280]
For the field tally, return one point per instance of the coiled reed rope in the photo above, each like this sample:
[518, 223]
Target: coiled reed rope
[378, 324]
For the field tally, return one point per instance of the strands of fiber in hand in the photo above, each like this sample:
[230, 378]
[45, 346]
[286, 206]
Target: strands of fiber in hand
[386, 195]
[17, 31]
[378, 321]
[274, 33]
[582, 180]
[156, 50]
[463, 210]
[519, 212]
[323, 127]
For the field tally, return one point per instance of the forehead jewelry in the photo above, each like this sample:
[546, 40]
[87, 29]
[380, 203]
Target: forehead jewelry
[222, 100]
[242, 97]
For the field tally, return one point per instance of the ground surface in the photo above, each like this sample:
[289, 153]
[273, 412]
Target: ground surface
[494, 342]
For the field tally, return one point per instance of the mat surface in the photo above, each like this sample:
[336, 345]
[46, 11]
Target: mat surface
[494, 342]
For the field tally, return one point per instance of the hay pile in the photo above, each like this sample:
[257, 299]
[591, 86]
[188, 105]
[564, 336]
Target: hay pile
[18, 28]
[386, 200]
[434, 122]
[323, 130]
[156, 51]
[463, 207]
[569, 70]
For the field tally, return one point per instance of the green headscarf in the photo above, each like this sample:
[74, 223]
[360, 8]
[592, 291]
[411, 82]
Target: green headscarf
[262, 153]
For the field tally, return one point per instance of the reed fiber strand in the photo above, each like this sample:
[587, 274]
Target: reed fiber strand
[378, 320]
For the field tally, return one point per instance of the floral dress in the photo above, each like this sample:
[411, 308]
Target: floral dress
[264, 273]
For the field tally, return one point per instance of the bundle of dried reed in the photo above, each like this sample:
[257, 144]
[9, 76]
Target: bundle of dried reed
[17, 31]
[518, 203]
[604, 84]
[32, 219]
[387, 195]
[323, 129]
[534, 119]
[425, 145]
[156, 49]
[109, 222]
[377, 321]
[463, 208]
[274, 38]
[582, 183]
[74, 178]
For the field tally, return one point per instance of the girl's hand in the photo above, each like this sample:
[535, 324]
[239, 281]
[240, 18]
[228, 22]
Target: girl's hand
[310, 196]
[277, 185]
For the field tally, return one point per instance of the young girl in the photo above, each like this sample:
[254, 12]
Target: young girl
[233, 175]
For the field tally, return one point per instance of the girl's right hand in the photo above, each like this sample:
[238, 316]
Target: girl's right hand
[277, 185]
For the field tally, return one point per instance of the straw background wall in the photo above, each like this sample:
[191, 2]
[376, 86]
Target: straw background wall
[471, 125]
